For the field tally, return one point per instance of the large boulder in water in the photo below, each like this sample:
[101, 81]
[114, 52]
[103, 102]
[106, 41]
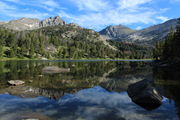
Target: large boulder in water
[145, 94]
[54, 70]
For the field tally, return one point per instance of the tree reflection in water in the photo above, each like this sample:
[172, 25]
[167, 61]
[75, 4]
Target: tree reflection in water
[91, 90]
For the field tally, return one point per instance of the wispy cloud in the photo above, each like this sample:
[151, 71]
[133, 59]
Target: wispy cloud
[13, 12]
[92, 5]
[45, 4]
[129, 4]
[13, 0]
[163, 18]
[27, 15]
[138, 28]
[50, 3]
[120, 12]
[111, 17]
[175, 0]
[4, 6]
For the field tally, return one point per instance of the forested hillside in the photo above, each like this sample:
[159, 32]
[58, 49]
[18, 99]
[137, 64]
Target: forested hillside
[132, 51]
[169, 50]
[64, 42]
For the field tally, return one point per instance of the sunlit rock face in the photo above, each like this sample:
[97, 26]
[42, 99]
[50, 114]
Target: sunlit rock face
[52, 21]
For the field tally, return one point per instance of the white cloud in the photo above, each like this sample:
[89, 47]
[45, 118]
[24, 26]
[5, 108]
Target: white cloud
[4, 6]
[176, 0]
[163, 18]
[13, 12]
[126, 4]
[101, 13]
[27, 15]
[13, 1]
[138, 28]
[112, 15]
[92, 5]
[50, 3]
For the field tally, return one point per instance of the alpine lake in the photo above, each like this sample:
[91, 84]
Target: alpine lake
[90, 90]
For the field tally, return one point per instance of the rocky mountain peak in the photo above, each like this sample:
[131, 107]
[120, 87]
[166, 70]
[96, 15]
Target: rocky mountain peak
[114, 32]
[2, 23]
[147, 36]
[25, 20]
[152, 34]
[22, 24]
[32, 23]
[52, 21]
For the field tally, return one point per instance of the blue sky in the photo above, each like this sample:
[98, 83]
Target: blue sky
[94, 14]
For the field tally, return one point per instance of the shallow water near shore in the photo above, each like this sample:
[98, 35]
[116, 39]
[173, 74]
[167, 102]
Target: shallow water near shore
[91, 90]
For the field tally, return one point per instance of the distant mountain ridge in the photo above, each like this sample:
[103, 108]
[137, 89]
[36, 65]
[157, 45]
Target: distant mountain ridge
[31, 23]
[147, 36]
[2, 23]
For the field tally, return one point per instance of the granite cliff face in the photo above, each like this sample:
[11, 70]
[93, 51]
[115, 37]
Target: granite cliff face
[31, 24]
[147, 36]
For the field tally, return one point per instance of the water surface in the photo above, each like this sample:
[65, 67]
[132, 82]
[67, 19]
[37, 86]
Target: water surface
[92, 90]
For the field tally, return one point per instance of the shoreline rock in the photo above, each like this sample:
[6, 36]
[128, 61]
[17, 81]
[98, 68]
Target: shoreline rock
[16, 82]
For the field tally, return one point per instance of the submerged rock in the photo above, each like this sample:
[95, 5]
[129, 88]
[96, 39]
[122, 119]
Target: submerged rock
[145, 95]
[16, 82]
[53, 70]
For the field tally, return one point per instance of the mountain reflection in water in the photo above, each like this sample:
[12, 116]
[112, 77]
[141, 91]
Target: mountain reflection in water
[92, 90]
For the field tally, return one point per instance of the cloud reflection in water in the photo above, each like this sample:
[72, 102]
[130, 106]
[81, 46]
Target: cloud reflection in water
[88, 104]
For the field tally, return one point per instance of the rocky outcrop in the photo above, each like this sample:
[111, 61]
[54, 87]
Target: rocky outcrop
[145, 95]
[52, 21]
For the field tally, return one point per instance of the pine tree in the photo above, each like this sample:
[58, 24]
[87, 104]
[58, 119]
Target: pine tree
[1, 51]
